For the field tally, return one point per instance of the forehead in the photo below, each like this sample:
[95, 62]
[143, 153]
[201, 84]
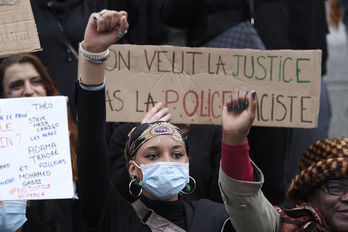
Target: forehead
[20, 71]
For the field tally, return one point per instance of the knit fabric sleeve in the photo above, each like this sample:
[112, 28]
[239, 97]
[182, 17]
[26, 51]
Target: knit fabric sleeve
[235, 161]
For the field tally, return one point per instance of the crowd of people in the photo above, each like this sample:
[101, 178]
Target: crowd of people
[157, 176]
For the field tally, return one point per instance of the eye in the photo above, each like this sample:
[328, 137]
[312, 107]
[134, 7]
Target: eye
[36, 81]
[152, 156]
[16, 85]
[177, 154]
[335, 186]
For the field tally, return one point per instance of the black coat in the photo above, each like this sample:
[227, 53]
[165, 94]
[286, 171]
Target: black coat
[204, 19]
[58, 29]
[293, 24]
[53, 216]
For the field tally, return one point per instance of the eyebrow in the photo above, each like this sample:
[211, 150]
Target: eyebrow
[178, 146]
[158, 147]
[151, 148]
[12, 82]
[21, 79]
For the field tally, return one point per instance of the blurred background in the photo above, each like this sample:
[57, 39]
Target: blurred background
[337, 80]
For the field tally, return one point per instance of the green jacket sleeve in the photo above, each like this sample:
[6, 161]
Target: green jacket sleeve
[248, 208]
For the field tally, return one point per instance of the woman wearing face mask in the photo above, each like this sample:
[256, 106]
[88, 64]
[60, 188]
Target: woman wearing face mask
[25, 76]
[158, 160]
[204, 160]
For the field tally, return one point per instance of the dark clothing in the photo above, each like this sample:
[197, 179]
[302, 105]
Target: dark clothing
[145, 25]
[204, 160]
[60, 31]
[293, 24]
[308, 26]
[102, 206]
[271, 22]
[205, 19]
[270, 148]
[53, 216]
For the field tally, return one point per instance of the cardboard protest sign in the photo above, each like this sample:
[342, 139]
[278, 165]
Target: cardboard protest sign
[34, 149]
[194, 83]
[18, 33]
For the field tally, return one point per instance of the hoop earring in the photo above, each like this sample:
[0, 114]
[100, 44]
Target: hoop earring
[188, 189]
[134, 184]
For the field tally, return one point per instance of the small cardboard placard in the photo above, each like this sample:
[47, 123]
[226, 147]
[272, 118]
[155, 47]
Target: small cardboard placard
[18, 33]
[194, 83]
[34, 149]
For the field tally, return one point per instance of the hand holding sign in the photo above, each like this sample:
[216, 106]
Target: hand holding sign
[157, 113]
[34, 149]
[18, 33]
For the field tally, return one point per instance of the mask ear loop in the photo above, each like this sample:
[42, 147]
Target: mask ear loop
[135, 184]
[188, 189]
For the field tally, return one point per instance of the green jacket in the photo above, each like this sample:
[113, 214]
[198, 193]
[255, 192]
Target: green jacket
[248, 208]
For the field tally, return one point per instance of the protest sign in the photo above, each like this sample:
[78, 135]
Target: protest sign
[18, 33]
[194, 83]
[34, 149]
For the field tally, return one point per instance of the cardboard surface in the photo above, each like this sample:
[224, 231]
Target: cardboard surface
[194, 83]
[34, 149]
[18, 33]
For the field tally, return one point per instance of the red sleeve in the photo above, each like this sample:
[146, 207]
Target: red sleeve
[236, 163]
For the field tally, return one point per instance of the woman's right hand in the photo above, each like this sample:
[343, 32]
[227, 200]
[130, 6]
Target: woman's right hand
[103, 29]
[157, 113]
[237, 116]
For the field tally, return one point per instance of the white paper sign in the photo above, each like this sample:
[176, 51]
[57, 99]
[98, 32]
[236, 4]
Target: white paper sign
[34, 149]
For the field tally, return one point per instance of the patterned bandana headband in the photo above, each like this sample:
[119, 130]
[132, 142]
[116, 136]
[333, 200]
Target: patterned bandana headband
[144, 132]
[325, 159]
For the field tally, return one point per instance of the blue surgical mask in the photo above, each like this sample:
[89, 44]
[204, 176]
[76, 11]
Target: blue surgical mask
[12, 215]
[164, 180]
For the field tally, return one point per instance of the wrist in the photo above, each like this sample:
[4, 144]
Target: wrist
[229, 139]
[93, 48]
[93, 57]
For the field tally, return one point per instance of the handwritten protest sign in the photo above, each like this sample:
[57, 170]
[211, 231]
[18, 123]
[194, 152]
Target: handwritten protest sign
[194, 83]
[34, 149]
[18, 33]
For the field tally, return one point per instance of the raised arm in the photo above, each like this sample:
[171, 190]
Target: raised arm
[95, 188]
[100, 33]
[240, 180]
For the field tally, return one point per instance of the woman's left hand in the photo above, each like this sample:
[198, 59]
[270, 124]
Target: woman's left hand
[103, 29]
